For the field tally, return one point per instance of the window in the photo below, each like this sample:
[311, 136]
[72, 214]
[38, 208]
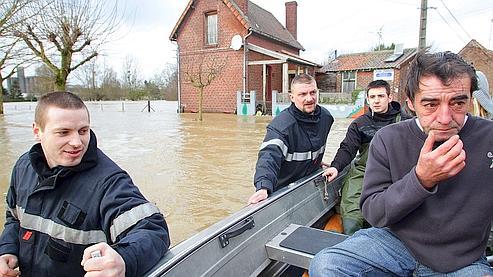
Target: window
[348, 81]
[211, 21]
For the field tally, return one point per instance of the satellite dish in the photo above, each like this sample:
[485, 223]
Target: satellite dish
[236, 42]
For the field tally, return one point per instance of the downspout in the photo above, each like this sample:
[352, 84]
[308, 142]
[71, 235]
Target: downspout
[245, 66]
[178, 86]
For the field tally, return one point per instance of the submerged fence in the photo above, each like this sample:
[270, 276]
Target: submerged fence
[104, 106]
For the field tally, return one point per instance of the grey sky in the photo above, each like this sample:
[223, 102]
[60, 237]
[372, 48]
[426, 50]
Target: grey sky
[323, 26]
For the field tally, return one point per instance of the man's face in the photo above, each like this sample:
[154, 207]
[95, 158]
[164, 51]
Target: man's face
[65, 136]
[304, 97]
[378, 100]
[442, 108]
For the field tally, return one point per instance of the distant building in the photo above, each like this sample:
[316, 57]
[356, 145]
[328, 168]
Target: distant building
[261, 54]
[349, 72]
[480, 57]
[27, 86]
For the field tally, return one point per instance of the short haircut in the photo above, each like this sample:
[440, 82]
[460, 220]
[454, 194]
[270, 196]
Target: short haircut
[302, 78]
[378, 84]
[446, 66]
[59, 99]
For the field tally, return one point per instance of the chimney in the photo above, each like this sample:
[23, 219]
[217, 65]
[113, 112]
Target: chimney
[243, 5]
[292, 18]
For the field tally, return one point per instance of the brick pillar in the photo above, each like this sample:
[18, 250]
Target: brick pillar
[292, 18]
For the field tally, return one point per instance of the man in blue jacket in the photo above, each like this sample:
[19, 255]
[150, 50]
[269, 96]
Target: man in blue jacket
[294, 144]
[382, 112]
[71, 209]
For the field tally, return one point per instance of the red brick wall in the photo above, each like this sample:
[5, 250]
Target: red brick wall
[481, 61]
[220, 95]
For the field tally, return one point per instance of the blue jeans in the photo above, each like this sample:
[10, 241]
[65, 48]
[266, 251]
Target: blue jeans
[377, 252]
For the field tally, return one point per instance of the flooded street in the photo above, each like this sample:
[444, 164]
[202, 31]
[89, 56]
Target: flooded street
[196, 172]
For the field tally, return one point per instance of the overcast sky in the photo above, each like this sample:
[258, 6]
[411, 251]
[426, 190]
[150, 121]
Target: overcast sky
[323, 26]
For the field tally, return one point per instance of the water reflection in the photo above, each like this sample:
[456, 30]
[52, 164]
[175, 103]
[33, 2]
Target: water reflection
[196, 172]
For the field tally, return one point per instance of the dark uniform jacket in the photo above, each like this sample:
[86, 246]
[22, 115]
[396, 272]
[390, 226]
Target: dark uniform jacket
[360, 133]
[54, 214]
[293, 147]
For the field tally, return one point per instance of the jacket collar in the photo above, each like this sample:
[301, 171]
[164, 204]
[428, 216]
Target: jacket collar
[304, 117]
[49, 176]
[393, 110]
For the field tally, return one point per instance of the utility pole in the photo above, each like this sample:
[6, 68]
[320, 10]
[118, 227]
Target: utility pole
[422, 25]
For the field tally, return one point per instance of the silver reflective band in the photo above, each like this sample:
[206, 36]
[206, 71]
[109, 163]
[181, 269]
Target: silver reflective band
[58, 231]
[277, 142]
[13, 212]
[296, 156]
[304, 156]
[130, 218]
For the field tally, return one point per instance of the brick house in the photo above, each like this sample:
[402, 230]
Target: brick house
[257, 52]
[350, 72]
[480, 57]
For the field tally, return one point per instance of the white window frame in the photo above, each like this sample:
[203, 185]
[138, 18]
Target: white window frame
[211, 29]
[348, 77]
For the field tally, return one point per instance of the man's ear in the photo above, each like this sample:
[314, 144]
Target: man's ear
[36, 131]
[410, 104]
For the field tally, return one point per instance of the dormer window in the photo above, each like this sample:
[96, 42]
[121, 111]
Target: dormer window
[211, 28]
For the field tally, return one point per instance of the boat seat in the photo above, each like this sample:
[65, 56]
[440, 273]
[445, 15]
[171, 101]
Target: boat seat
[296, 245]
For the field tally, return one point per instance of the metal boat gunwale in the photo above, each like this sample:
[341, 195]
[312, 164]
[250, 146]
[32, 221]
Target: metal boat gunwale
[186, 248]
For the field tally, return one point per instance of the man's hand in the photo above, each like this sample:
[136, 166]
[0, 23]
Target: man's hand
[7, 264]
[102, 260]
[330, 173]
[258, 196]
[437, 165]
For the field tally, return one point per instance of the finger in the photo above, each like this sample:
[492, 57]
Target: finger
[445, 147]
[253, 198]
[258, 196]
[454, 151]
[428, 145]
[457, 164]
[89, 252]
[94, 264]
[332, 176]
[10, 272]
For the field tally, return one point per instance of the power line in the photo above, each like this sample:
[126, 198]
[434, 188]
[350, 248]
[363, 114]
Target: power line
[457, 21]
[450, 26]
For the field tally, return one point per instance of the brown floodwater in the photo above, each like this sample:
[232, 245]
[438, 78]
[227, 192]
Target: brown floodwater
[196, 172]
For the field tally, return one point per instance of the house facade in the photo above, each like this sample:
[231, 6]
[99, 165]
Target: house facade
[480, 57]
[244, 45]
[350, 72]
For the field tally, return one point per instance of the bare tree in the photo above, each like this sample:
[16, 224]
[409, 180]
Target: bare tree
[110, 86]
[88, 75]
[202, 74]
[44, 80]
[68, 33]
[132, 80]
[11, 55]
[167, 82]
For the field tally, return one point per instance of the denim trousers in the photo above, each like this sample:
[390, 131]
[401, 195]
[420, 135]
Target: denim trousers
[377, 252]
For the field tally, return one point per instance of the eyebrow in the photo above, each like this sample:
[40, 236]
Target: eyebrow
[460, 97]
[455, 98]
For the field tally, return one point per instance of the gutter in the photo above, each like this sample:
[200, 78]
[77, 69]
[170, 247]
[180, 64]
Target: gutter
[178, 86]
[245, 60]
